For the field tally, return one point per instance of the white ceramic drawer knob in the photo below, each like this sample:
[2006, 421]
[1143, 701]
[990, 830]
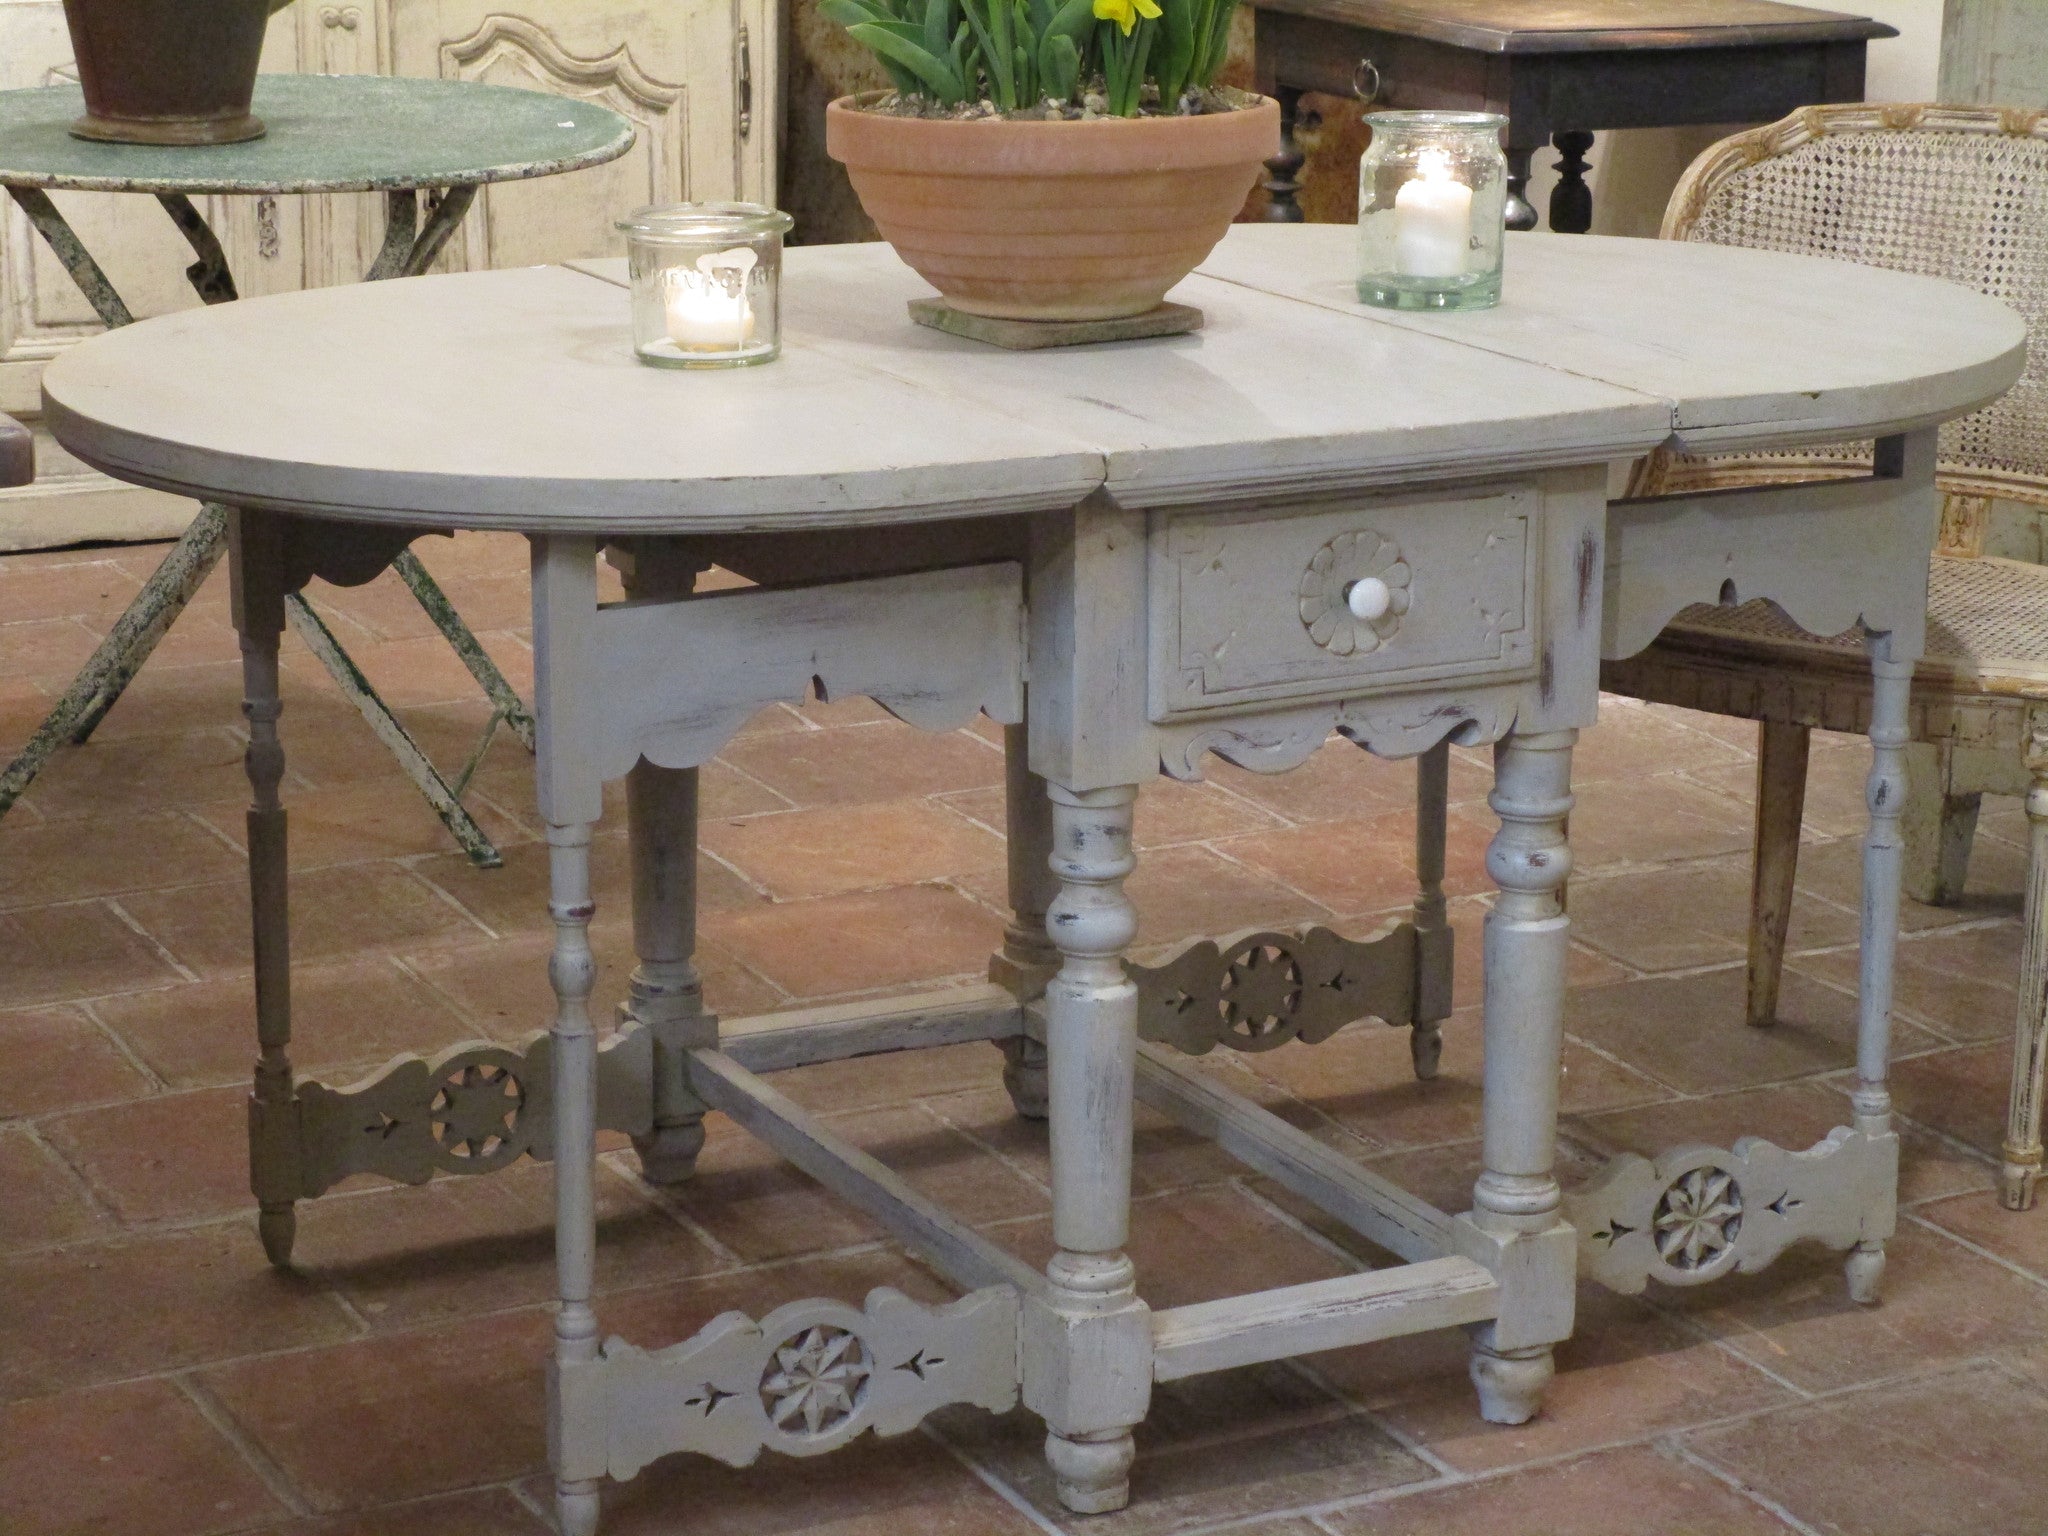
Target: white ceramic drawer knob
[1369, 598]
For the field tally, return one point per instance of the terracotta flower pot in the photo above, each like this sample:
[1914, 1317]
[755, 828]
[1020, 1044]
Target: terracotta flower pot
[1052, 220]
[168, 71]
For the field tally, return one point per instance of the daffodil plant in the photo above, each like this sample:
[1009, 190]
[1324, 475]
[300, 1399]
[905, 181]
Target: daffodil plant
[1081, 56]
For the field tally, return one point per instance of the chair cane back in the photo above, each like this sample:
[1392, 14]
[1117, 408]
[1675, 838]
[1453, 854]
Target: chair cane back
[1957, 192]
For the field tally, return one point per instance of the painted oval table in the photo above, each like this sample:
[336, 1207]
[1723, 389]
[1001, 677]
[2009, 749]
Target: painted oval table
[1132, 556]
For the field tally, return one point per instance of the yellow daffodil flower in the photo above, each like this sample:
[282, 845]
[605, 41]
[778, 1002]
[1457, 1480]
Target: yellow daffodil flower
[1125, 13]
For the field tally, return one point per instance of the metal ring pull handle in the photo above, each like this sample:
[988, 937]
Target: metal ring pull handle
[1365, 81]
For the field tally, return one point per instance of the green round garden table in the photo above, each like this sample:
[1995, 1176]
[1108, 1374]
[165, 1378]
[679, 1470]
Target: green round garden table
[327, 133]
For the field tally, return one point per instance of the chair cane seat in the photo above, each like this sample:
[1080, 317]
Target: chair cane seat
[1987, 630]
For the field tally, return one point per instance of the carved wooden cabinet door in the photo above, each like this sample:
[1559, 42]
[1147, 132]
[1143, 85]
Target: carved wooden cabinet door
[698, 79]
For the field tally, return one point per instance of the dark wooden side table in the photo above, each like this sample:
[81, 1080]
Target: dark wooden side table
[1557, 70]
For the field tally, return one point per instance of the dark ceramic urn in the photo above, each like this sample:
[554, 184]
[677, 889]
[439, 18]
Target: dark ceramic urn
[168, 71]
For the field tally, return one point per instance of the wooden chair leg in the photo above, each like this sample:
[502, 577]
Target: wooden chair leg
[1939, 828]
[2022, 1152]
[1780, 803]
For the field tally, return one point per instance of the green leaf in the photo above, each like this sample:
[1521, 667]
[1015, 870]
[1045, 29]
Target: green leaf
[935, 73]
[851, 13]
[1218, 43]
[1177, 57]
[1059, 65]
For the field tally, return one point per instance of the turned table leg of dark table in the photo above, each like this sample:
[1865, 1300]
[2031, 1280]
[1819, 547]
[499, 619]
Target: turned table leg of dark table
[1571, 200]
[1283, 171]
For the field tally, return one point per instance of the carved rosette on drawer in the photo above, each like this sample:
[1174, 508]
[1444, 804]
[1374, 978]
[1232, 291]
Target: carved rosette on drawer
[1326, 591]
[804, 1380]
[1696, 1213]
[1248, 611]
[1260, 990]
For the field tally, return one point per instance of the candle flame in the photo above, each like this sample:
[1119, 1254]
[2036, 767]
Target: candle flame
[1433, 165]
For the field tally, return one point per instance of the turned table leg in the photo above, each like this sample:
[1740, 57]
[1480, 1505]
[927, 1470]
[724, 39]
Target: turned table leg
[2022, 1151]
[1283, 168]
[1526, 954]
[1883, 868]
[1027, 958]
[665, 995]
[1432, 822]
[1091, 1048]
[1571, 200]
[572, 971]
[256, 541]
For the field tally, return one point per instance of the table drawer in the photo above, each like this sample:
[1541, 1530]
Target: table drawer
[1248, 607]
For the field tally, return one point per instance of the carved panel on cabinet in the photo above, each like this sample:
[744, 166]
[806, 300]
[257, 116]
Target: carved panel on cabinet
[519, 224]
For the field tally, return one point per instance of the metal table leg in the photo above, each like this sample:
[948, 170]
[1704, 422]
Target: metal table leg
[409, 248]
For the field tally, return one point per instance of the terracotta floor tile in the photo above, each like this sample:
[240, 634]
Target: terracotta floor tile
[502, 989]
[1229, 1446]
[404, 673]
[1649, 821]
[965, 1180]
[872, 1488]
[514, 898]
[351, 823]
[1363, 864]
[77, 950]
[1618, 1493]
[1679, 919]
[45, 1201]
[2019, 1237]
[1628, 1372]
[1951, 1455]
[1631, 742]
[860, 942]
[489, 1512]
[138, 773]
[176, 1156]
[758, 1206]
[104, 856]
[1183, 893]
[132, 1460]
[433, 1253]
[1961, 1093]
[58, 1059]
[346, 1017]
[1688, 1031]
[197, 639]
[1964, 984]
[1201, 1245]
[1941, 1303]
[77, 1316]
[1791, 1115]
[90, 588]
[837, 849]
[164, 699]
[22, 708]
[1364, 1078]
[1834, 805]
[868, 1082]
[398, 1417]
[882, 761]
[1339, 782]
[336, 913]
[32, 647]
[1998, 880]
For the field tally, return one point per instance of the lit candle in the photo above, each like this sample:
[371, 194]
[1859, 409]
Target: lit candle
[707, 307]
[1432, 220]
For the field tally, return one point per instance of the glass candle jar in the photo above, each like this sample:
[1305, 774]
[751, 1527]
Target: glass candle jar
[705, 281]
[1432, 204]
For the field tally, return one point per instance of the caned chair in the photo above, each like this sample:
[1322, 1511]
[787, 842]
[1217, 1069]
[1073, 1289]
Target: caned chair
[17, 453]
[1953, 192]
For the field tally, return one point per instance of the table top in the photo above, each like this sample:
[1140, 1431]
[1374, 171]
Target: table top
[512, 399]
[328, 133]
[1582, 26]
